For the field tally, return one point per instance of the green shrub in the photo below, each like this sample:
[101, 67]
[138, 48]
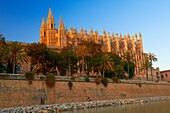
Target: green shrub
[97, 80]
[29, 75]
[115, 79]
[50, 80]
[104, 81]
[156, 80]
[73, 78]
[70, 84]
[86, 79]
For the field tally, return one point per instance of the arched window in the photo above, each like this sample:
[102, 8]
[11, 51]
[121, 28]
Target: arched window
[18, 68]
[52, 26]
[4, 68]
[162, 76]
[31, 67]
[166, 75]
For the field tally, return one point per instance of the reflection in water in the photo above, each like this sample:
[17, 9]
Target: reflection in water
[156, 107]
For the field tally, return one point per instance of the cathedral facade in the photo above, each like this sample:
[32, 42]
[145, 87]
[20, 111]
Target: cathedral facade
[60, 37]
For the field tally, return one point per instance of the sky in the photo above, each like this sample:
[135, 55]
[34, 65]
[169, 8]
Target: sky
[20, 20]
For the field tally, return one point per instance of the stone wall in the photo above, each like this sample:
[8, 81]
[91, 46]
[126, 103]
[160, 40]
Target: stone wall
[15, 93]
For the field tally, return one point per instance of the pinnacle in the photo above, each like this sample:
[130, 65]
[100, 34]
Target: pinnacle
[61, 24]
[43, 22]
[50, 15]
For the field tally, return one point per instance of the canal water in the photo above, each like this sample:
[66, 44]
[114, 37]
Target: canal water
[154, 107]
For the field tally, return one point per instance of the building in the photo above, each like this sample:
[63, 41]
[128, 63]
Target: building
[154, 74]
[60, 37]
[165, 75]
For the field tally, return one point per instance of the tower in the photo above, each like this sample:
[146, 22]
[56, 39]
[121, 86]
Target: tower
[43, 32]
[61, 34]
[50, 29]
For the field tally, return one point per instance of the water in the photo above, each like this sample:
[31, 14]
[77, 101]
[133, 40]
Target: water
[155, 107]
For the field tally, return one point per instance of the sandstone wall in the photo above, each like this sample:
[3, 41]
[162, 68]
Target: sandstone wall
[20, 93]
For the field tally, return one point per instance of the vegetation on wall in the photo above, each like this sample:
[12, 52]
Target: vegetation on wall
[29, 75]
[70, 85]
[104, 81]
[50, 80]
[97, 80]
[86, 79]
[115, 79]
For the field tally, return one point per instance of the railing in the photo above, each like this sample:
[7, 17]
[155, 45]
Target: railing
[12, 76]
[9, 76]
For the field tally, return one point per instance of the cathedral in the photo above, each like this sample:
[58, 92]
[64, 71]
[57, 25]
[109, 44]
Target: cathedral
[60, 37]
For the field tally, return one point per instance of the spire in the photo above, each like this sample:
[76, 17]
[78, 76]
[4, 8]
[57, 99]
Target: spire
[50, 15]
[43, 22]
[91, 32]
[61, 24]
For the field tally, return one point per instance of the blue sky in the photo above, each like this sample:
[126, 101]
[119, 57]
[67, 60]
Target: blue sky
[20, 20]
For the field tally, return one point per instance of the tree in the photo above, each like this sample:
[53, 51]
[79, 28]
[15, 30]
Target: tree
[105, 63]
[129, 67]
[128, 57]
[43, 59]
[118, 64]
[36, 52]
[3, 52]
[152, 58]
[82, 51]
[146, 65]
[94, 54]
[50, 63]
[69, 57]
[16, 53]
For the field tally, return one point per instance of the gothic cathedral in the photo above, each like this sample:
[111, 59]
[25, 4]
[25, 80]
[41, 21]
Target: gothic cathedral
[58, 38]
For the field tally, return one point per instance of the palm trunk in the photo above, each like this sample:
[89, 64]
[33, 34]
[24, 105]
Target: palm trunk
[151, 74]
[103, 71]
[128, 71]
[147, 74]
[83, 66]
[58, 73]
[13, 69]
[151, 70]
[69, 68]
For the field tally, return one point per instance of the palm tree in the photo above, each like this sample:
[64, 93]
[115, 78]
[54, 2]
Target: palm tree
[83, 51]
[68, 52]
[105, 63]
[3, 48]
[128, 57]
[146, 65]
[17, 53]
[152, 58]
[3, 52]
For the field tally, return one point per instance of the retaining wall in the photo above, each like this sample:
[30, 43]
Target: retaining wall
[15, 93]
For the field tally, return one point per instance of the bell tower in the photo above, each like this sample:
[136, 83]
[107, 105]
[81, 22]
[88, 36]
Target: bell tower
[43, 31]
[50, 29]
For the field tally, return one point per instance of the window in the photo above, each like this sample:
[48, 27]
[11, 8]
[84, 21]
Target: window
[51, 25]
[31, 67]
[18, 67]
[162, 76]
[166, 75]
[44, 33]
